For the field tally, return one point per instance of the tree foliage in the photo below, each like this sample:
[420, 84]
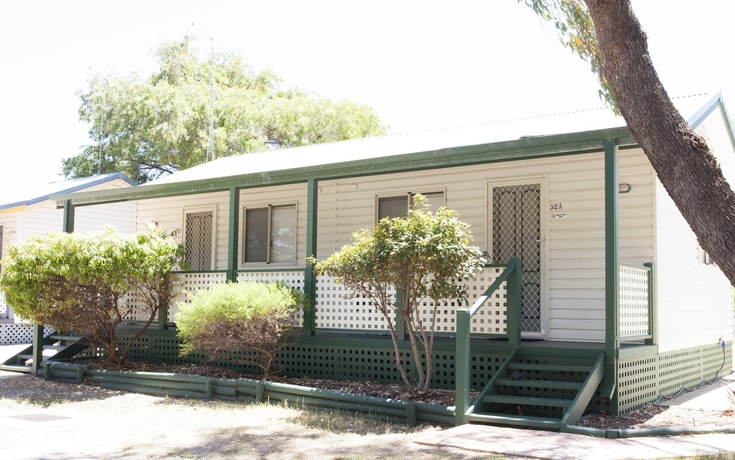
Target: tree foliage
[607, 34]
[425, 256]
[248, 322]
[87, 283]
[149, 127]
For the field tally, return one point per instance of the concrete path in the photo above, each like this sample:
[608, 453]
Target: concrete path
[552, 445]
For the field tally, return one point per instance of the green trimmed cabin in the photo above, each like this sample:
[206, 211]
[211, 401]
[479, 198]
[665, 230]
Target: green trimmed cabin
[597, 296]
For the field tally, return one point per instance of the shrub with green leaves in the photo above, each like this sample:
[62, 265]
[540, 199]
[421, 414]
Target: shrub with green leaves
[248, 322]
[84, 283]
[426, 256]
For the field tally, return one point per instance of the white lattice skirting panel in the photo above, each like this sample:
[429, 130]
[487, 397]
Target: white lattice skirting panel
[633, 301]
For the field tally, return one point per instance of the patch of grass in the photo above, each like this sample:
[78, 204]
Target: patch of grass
[719, 456]
[340, 421]
[38, 400]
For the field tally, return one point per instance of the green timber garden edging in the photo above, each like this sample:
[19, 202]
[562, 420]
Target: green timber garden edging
[246, 390]
[250, 390]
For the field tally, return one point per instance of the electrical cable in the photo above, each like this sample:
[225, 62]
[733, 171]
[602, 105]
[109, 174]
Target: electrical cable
[661, 397]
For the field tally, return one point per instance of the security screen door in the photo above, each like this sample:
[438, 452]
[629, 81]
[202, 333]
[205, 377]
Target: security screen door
[516, 232]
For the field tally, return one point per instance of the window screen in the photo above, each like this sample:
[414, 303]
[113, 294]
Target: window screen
[270, 234]
[397, 206]
[198, 239]
[256, 235]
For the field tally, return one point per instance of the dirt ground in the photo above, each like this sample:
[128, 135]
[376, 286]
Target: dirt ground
[40, 420]
[52, 420]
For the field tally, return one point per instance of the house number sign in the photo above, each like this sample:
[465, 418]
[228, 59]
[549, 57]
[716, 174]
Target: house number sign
[554, 208]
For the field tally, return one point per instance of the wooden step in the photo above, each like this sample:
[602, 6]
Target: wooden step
[516, 420]
[551, 384]
[15, 368]
[65, 337]
[548, 367]
[527, 401]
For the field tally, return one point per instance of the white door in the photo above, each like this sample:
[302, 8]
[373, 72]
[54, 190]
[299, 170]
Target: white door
[516, 231]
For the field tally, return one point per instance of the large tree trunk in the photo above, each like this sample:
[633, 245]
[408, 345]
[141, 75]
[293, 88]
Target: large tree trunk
[684, 163]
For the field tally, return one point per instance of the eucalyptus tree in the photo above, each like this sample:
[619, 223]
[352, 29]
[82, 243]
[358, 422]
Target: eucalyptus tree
[608, 35]
[150, 126]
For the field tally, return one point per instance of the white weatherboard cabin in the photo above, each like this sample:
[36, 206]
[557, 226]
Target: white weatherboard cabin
[617, 304]
[29, 210]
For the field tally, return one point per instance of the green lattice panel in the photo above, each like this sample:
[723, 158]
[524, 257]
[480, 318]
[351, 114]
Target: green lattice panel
[679, 368]
[637, 383]
[330, 358]
[642, 380]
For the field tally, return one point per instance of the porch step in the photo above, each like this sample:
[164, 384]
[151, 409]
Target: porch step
[548, 367]
[65, 345]
[527, 401]
[553, 390]
[64, 337]
[15, 368]
[549, 384]
[516, 420]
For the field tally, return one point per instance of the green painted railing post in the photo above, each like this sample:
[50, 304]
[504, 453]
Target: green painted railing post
[462, 367]
[612, 275]
[68, 220]
[37, 348]
[513, 303]
[233, 230]
[163, 317]
[312, 209]
[652, 309]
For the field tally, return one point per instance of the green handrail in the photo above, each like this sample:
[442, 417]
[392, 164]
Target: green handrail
[511, 274]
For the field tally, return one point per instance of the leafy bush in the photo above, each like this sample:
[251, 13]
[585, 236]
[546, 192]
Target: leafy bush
[425, 256]
[83, 282]
[248, 322]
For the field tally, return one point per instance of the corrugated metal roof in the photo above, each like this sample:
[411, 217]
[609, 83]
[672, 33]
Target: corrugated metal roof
[25, 195]
[407, 143]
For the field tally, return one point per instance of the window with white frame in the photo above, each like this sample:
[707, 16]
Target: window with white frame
[704, 257]
[398, 206]
[270, 234]
[199, 239]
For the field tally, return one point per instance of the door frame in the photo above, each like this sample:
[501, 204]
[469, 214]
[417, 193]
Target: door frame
[542, 180]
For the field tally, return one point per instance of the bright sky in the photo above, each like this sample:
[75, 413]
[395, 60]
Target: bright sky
[420, 64]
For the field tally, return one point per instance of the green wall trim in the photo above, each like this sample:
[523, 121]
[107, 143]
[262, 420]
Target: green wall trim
[612, 268]
[233, 234]
[521, 149]
[312, 210]
[67, 224]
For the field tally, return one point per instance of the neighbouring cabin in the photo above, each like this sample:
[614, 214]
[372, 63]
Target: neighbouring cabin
[29, 210]
[612, 304]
